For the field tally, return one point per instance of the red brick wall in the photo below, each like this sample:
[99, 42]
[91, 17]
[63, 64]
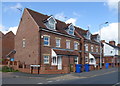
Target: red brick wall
[29, 31]
[8, 44]
[47, 49]
[1, 35]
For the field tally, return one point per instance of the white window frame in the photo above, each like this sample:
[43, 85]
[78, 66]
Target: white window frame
[51, 17]
[86, 47]
[92, 48]
[23, 43]
[54, 60]
[68, 44]
[46, 59]
[59, 42]
[76, 60]
[96, 48]
[46, 40]
[68, 31]
[86, 61]
[76, 45]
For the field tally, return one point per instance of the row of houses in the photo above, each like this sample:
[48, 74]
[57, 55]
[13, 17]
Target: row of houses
[53, 46]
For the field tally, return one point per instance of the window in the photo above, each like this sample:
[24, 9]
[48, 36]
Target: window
[58, 42]
[70, 29]
[86, 59]
[88, 35]
[68, 44]
[76, 45]
[23, 43]
[111, 51]
[50, 23]
[46, 40]
[86, 47]
[96, 48]
[91, 60]
[54, 61]
[46, 59]
[92, 48]
[76, 60]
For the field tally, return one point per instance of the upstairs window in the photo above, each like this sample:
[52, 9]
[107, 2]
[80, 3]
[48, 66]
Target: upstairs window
[68, 44]
[88, 35]
[70, 29]
[98, 38]
[58, 42]
[86, 47]
[51, 23]
[23, 43]
[96, 48]
[92, 48]
[76, 45]
[46, 40]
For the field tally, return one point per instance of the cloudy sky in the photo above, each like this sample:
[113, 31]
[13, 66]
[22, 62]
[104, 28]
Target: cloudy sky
[87, 15]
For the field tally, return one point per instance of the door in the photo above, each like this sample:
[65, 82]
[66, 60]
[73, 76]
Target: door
[59, 63]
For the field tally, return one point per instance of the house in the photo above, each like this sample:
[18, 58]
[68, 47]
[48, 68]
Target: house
[46, 42]
[53, 46]
[7, 42]
[111, 52]
[91, 44]
[1, 35]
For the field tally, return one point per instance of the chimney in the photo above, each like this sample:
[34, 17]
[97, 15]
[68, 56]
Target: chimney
[118, 45]
[112, 42]
[103, 41]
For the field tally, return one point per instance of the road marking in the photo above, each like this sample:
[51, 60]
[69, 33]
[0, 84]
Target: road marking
[58, 80]
[50, 81]
[101, 74]
[116, 84]
[39, 83]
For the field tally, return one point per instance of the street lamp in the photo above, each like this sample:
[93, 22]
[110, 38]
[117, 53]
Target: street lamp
[100, 43]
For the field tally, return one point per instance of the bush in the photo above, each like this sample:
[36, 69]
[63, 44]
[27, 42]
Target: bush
[8, 69]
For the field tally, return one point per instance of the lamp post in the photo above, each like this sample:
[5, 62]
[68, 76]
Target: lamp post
[100, 43]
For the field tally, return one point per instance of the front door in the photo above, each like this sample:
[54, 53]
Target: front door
[59, 63]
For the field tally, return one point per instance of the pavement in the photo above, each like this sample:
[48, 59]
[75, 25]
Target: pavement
[25, 78]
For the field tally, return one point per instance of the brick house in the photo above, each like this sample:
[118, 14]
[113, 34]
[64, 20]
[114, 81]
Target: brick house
[53, 45]
[45, 41]
[7, 45]
[111, 52]
[91, 47]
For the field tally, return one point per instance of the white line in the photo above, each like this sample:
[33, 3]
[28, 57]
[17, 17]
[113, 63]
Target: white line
[116, 84]
[39, 83]
[58, 80]
[50, 81]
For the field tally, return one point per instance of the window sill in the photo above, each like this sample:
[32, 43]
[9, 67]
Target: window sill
[46, 63]
[46, 45]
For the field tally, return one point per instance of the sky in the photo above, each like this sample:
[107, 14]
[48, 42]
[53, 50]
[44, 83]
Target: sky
[87, 15]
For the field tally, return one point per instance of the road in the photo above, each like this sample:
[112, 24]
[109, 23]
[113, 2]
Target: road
[111, 78]
[106, 76]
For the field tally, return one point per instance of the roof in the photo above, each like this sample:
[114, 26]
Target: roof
[40, 18]
[66, 52]
[96, 55]
[113, 46]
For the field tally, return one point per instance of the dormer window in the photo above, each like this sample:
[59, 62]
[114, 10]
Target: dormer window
[98, 38]
[70, 29]
[51, 23]
[88, 35]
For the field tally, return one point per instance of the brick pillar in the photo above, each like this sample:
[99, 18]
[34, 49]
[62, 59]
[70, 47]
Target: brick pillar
[23, 66]
[8, 64]
[18, 63]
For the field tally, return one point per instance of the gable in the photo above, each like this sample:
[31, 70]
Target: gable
[50, 23]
